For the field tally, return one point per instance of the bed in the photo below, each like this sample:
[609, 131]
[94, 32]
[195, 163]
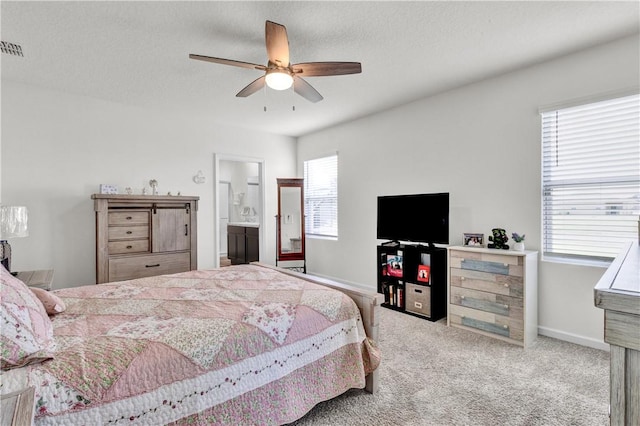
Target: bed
[247, 344]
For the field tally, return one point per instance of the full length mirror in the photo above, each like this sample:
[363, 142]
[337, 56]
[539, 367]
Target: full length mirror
[290, 220]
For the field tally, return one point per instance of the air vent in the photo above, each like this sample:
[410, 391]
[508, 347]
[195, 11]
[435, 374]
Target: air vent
[11, 48]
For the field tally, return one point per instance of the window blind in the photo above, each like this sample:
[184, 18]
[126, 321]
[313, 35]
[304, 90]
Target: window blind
[321, 196]
[591, 178]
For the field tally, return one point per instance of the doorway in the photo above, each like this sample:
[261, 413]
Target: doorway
[239, 195]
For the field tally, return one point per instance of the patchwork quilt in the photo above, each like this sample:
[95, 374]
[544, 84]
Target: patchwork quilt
[236, 345]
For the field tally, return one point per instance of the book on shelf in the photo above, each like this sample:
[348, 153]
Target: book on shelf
[394, 264]
[424, 273]
[400, 297]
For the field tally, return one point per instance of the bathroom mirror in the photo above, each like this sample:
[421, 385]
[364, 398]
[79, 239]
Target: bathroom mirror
[290, 220]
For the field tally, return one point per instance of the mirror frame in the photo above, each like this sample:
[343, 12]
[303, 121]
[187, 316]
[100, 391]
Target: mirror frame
[290, 183]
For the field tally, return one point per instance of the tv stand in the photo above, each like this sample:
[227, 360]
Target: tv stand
[413, 278]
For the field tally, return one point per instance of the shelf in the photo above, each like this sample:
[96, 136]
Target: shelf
[407, 258]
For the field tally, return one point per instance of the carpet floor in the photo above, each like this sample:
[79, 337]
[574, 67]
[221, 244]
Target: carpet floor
[432, 374]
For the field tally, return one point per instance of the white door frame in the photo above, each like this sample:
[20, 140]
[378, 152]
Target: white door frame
[216, 212]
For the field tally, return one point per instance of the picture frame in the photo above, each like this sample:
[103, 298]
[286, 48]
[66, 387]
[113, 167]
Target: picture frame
[424, 273]
[108, 189]
[473, 240]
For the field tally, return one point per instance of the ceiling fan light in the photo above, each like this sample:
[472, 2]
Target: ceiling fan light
[278, 79]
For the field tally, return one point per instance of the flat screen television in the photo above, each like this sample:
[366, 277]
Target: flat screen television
[422, 218]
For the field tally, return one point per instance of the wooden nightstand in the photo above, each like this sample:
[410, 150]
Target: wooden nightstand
[42, 279]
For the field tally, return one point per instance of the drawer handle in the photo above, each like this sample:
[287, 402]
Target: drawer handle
[129, 247]
[129, 232]
[186, 230]
[417, 305]
[129, 217]
[152, 266]
[417, 290]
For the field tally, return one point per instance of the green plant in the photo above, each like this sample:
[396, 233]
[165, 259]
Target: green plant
[517, 238]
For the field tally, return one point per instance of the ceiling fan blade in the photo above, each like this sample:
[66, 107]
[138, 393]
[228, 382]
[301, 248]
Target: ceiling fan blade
[305, 90]
[316, 69]
[227, 62]
[277, 44]
[252, 87]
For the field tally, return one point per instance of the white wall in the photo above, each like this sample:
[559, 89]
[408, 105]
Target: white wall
[480, 143]
[58, 148]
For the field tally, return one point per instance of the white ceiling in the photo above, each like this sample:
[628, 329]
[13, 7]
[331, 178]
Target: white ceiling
[136, 53]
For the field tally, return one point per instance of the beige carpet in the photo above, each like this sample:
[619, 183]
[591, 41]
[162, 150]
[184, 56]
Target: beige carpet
[437, 375]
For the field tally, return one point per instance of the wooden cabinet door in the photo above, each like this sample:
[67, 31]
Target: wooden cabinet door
[252, 245]
[235, 244]
[171, 229]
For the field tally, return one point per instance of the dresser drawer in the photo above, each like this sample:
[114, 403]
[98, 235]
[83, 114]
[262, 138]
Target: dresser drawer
[487, 302]
[129, 217]
[418, 299]
[487, 263]
[128, 232]
[133, 246]
[131, 267]
[493, 283]
[487, 322]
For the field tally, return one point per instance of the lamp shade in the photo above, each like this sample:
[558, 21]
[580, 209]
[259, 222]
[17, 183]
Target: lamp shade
[278, 79]
[13, 222]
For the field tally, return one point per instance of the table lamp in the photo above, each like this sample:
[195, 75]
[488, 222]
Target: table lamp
[13, 224]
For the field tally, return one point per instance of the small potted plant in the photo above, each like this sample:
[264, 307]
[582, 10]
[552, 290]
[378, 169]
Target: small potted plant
[519, 239]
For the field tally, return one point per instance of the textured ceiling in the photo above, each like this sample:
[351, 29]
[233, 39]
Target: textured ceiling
[136, 53]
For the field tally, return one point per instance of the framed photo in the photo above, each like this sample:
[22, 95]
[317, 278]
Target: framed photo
[473, 240]
[424, 273]
[108, 189]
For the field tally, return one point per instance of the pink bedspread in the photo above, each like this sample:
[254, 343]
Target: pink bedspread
[237, 345]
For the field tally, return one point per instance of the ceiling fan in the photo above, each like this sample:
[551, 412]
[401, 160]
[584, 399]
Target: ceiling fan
[280, 74]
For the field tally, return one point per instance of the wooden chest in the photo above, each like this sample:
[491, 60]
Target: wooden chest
[494, 292]
[140, 236]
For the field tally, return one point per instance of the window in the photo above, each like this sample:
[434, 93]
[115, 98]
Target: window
[591, 179]
[321, 196]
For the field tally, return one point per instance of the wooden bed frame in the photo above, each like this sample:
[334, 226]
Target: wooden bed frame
[368, 303]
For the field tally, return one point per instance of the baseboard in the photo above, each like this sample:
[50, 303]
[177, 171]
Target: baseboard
[574, 338]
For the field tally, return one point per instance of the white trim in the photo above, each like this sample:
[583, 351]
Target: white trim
[589, 99]
[574, 338]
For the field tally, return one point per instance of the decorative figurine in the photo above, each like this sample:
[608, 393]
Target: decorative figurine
[498, 239]
[154, 186]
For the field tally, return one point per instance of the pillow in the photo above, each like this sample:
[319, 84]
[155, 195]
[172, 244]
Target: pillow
[26, 332]
[52, 303]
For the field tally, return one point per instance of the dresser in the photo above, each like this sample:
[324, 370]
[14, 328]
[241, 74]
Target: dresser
[141, 235]
[618, 293]
[494, 293]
